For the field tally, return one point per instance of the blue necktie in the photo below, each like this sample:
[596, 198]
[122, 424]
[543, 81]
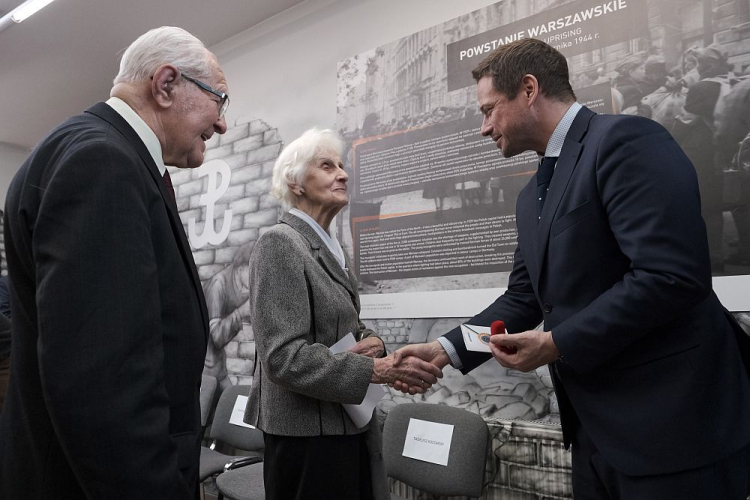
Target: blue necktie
[543, 178]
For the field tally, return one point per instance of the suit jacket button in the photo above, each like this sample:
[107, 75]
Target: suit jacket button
[547, 308]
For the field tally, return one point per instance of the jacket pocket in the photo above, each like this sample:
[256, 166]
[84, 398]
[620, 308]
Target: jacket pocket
[656, 357]
[571, 218]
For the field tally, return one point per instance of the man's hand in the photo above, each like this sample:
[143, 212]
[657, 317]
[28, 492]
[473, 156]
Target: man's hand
[535, 348]
[371, 347]
[431, 352]
[417, 374]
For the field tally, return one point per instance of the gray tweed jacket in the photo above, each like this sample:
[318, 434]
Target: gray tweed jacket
[301, 303]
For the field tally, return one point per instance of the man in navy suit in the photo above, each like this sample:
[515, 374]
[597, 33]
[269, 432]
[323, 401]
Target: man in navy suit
[109, 320]
[649, 369]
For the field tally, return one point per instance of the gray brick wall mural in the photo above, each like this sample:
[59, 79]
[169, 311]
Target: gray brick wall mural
[232, 190]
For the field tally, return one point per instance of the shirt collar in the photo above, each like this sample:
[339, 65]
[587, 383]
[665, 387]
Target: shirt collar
[144, 131]
[329, 239]
[555, 144]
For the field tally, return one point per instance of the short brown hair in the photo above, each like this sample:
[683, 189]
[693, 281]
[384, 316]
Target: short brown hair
[509, 63]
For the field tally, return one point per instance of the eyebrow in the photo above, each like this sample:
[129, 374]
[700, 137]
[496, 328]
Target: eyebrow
[328, 159]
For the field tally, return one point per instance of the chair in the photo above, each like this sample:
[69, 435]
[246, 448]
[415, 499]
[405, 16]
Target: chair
[244, 483]
[244, 438]
[464, 474]
[208, 393]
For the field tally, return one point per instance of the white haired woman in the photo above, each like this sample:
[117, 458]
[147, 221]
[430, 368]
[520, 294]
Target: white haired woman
[303, 299]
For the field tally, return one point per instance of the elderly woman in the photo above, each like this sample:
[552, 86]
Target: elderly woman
[303, 298]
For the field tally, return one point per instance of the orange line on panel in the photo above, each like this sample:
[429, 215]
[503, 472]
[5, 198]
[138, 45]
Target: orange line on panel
[389, 216]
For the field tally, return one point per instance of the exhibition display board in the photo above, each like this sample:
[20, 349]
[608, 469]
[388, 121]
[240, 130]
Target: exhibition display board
[431, 223]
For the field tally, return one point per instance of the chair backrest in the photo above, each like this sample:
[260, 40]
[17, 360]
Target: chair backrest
[464, 474]
[208, 392]
[236, 436]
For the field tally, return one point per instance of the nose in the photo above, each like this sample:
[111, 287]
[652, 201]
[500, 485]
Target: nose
[486, 129]
[343, 176]
[220, 125]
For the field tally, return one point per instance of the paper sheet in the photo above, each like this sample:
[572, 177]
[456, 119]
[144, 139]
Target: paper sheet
[476, 338]
[238, 412]
[428, 441]
[360, 414]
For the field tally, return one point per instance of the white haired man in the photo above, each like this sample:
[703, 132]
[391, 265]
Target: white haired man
[110, 322]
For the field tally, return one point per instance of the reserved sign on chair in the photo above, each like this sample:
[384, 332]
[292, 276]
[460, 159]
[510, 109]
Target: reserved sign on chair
[238, 412]
[428, 441]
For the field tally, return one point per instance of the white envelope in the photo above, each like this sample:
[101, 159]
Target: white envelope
[476, 338]
[360, 414]
[238, 412]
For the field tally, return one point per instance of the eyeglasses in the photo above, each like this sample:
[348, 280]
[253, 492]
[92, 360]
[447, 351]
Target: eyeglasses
[223, 103]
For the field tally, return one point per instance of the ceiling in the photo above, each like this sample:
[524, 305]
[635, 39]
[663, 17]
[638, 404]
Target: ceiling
[63, 59]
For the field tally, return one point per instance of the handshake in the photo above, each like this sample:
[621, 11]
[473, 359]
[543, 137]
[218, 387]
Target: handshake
[412, 369]
[416, 367]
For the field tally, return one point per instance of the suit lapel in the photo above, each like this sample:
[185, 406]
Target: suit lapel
[564, 168]
[320, 250]
[106, 113]
[527, 225]
[353, 281]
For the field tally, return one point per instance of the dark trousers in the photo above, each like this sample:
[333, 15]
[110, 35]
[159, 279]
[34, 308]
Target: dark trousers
[595, 479]
[4, 375]
[302, 468]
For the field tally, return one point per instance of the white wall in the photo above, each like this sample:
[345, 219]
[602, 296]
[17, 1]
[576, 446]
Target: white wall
[284, 70]
[11, 158]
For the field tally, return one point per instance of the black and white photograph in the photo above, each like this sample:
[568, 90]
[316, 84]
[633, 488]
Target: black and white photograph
[337, 176]
[419, 166]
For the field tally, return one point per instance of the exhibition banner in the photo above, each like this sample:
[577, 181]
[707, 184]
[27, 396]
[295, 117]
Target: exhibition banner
[432, 209]
[574, 28]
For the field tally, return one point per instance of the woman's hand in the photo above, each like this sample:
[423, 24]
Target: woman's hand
[372, 347]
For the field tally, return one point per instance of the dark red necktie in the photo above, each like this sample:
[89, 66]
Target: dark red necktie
[168, 184]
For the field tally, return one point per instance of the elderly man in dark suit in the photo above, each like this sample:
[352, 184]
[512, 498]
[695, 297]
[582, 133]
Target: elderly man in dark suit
[110, 323]
[612, 255]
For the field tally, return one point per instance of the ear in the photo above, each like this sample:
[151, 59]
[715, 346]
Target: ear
[297, 189]
[163, 85]
[529, 89]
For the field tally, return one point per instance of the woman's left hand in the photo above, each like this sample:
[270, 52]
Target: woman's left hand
[371, 347]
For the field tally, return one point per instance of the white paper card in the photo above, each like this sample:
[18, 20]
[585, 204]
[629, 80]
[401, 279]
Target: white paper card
[476, 338]
[344, 344]
[428, 441]
[360, 414]
[238, 412]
